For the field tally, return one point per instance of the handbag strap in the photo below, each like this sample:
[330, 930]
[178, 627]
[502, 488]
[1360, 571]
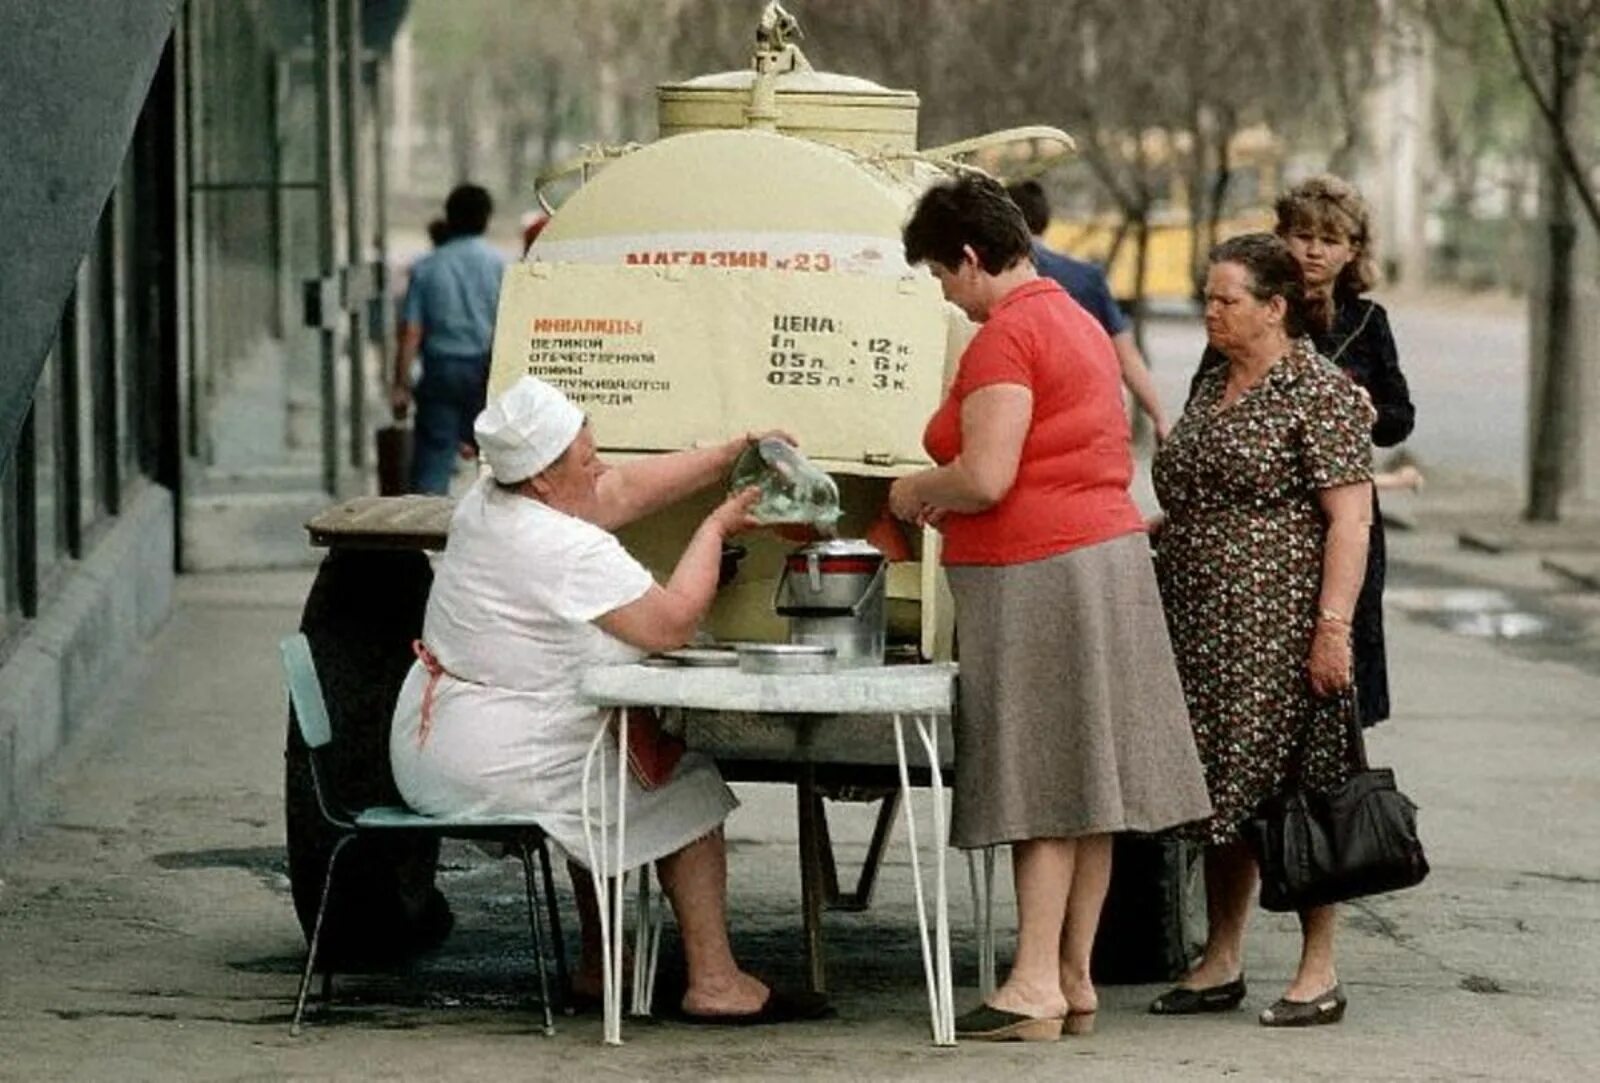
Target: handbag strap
[1355, 740]
[1356, 746]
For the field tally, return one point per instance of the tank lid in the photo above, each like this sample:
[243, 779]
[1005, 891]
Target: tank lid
[808, 81]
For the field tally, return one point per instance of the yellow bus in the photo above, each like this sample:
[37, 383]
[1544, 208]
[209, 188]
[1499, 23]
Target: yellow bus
[1256, 163]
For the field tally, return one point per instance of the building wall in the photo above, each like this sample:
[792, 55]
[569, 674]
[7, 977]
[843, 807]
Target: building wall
[187, 416]
[83, 638]
[87, 515]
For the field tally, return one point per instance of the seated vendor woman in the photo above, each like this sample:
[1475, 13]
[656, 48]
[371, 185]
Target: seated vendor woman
[533, 589]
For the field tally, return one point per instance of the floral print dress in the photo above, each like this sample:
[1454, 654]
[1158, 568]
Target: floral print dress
[1240, 567]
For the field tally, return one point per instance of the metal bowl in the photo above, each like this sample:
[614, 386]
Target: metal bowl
[785, 658]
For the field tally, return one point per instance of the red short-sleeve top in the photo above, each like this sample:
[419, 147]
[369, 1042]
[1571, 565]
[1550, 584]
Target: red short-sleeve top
[1072, 482]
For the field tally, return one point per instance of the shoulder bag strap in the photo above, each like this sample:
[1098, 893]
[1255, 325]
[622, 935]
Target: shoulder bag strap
[1366, 317]
[1358, 741]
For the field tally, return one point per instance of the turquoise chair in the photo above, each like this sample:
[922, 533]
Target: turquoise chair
[523, 836]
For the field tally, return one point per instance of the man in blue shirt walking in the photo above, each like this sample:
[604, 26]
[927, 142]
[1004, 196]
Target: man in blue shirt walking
[448, 319]
[1087, 285]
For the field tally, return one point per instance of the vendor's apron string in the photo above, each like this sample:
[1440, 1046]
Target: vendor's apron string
[435, 671]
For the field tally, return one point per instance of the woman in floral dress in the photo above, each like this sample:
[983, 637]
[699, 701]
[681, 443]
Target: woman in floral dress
[1265, 482]
[1328, 227]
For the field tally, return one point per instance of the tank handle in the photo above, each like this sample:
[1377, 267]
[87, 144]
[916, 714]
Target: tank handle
[590, 154]
[954, 153]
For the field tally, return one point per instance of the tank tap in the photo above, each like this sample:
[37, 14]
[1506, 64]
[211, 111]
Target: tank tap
[775, 54]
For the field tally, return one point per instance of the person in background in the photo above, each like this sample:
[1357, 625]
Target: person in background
[1072, 722]
[438, 232]
[1328, 227]
[448, 320]
[1265, 483]
[1087, 285]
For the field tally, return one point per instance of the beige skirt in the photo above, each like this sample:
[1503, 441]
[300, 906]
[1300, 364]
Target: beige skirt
[1071, 721]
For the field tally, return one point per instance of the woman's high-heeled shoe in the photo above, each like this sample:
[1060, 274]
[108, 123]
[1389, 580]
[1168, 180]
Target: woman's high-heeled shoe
[987, 1024]
[1079, 1024]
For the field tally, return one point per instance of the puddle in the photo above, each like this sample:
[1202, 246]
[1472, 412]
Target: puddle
[1506, 625]
[1484, 613]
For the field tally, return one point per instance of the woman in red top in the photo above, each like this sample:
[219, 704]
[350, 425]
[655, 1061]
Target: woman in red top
[1072, 722]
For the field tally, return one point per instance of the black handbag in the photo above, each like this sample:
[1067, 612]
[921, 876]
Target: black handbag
[1320, 848]
[394, 460]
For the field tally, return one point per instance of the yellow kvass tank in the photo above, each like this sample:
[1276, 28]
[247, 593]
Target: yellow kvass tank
[745, 272]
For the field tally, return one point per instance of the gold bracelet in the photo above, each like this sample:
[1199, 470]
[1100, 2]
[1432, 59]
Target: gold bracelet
[1328, 616]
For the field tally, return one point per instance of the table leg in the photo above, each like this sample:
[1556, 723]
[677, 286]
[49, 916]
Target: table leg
[935, 1001]
[982, 885]
[941, 913]
[643, 919]
[860, 897]
[620, 889]
[611, 1027]
[986, 942]
[811, 877]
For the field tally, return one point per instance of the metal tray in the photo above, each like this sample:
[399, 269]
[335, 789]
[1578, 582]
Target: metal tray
[701, 656]
[785, 658]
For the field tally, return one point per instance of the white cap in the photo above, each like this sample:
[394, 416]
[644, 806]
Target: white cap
[525, 429]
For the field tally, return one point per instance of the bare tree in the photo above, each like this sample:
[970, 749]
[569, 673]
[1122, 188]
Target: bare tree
[1551, 41]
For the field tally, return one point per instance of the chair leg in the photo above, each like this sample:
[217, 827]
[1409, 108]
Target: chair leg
[563, 976]
[534, 926]
[316, 937]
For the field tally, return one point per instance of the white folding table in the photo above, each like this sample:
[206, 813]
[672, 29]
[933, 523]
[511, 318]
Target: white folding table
[922, 693]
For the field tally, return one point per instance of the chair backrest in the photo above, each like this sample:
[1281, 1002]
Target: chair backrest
[311, 715]
[305, 690]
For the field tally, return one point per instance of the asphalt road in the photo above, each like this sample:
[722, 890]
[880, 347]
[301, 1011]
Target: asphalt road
[1465, 358]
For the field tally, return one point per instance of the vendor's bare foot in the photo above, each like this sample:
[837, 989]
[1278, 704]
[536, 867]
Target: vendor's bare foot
[737, 994]
[1041, 1002]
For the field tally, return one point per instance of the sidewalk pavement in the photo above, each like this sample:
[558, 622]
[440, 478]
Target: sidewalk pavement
[146, 930]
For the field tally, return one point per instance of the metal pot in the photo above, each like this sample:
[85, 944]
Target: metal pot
[831, 576]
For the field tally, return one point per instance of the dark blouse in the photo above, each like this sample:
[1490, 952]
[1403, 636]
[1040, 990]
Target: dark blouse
[1361, 344]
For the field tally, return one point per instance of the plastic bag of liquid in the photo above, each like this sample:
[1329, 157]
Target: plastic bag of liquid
[793, 490]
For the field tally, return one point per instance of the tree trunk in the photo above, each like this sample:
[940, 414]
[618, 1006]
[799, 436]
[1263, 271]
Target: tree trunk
[463, 139]
[1553, 415]
[553, 117]
[1141, 256]
[1220, 182]
[519, 133]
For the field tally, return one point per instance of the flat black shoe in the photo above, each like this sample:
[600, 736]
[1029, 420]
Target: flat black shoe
[780, 1007]
[1214, 998]
[1316, 1012]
